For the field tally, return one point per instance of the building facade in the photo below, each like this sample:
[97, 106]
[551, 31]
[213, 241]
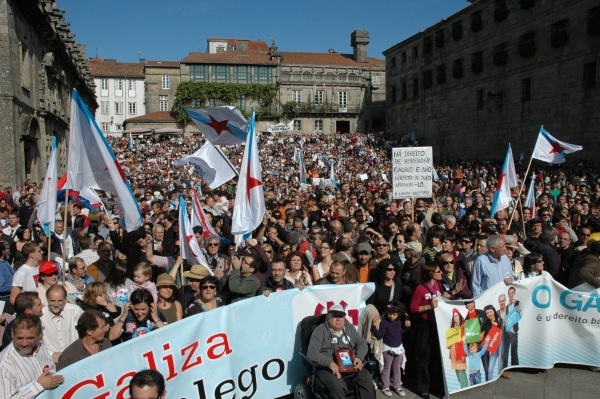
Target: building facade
[40, 66]
[161, 80]
[493, 73]
[120, 91]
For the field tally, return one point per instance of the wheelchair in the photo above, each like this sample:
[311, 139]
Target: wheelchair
[311, 387]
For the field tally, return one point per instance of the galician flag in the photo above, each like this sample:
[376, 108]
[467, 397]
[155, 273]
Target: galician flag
[549, 149]
[220, 125]
[506, 181]
[530, 200]
[302, 167]
[210, 164]
[249, 206]
[86, 197]
[199, 218]
[190, 250]
[47, 202]
[332, 176]
[92, 163]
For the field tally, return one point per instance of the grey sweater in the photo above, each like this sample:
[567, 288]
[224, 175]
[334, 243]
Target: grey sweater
[321, 348]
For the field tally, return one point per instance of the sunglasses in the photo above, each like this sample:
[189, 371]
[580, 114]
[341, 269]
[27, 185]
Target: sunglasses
[209, 287]
[390, 269]
[448, 262]
[381, 245]
[212, 245]
[268, 251]
[286, 249]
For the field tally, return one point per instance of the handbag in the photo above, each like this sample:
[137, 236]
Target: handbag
[344, 358]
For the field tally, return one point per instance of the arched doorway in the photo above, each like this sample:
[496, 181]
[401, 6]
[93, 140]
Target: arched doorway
[31, 152]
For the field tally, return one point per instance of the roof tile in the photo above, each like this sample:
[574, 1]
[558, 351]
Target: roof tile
[109, 67]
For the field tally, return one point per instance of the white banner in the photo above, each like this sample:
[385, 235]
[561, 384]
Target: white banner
[246, 349]
[412, 172]
[534, 323]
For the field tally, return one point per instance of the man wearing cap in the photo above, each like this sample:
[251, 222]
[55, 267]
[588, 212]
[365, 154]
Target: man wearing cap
[26, 277]
[362, 270]
[334, 334]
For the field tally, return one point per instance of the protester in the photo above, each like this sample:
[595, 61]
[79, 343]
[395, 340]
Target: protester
[145, 313]
[25, 278]
[147, 384]
[167, 304]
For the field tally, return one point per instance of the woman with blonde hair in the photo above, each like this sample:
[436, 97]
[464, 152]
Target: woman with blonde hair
[96, 298]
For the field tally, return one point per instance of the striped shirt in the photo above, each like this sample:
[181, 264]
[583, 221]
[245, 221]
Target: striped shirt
[19, 374]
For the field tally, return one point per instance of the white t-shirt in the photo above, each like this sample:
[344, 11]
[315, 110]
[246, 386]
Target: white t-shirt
[26, 277]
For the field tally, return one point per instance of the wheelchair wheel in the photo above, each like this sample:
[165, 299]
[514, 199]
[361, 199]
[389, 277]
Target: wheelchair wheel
[302, 391]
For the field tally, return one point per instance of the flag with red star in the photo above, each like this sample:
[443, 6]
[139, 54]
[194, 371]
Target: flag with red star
[249, 208]
[92, 163]
[551, 150]
[189, 247]
[506, 181]
[46, 204]
[198, 217]
[220, 125]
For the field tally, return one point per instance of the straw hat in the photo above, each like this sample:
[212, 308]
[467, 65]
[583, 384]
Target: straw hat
[197, 272]
[165, 280]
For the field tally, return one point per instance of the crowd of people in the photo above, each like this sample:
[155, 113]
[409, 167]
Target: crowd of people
[93, 285]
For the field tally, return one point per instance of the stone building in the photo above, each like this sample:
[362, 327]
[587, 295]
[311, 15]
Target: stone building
[493, 73]
[120, 91]
[40, 65]
[321, 92]
[161, 78]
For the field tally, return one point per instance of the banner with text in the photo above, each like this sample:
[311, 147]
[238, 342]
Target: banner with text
[246, 349]
[412, 172]
[533, 323]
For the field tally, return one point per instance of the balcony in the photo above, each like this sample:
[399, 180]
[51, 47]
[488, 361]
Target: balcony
[293, 110]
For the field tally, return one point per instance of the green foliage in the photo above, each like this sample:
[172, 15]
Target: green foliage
[226, 93]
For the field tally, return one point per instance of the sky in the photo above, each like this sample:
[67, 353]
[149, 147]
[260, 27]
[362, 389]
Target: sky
[168, 30]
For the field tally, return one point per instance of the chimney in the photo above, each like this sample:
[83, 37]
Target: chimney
[359, 41]
[142, 61]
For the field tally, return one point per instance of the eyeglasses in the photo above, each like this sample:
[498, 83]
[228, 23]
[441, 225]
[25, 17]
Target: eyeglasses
[585, 235]
[286, 249]
[448, 262]
[390, 269]
[325, 248]
[213, 245]
[209, 287]
[381, 245]
[269, 252]
[545, 214]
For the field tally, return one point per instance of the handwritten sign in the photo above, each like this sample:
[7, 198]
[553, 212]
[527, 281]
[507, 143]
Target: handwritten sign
[412, 172]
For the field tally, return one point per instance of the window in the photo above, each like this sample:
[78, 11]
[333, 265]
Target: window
[25, 67]
[319, 96]
[240, 103]
[242, 74]
[403, 91]
[559, 36]
[118, 108]
[343, 100]
[403, 57]
[166, 82]
[501, 54]
[526, 89]
[318, 125]
[428, 79]
[441, 74]
[589, 75]
[297, 96]
[427, 45]
[104, 107]
[526, 4]
[527, 45]
[118, 126]
[214, 102]
[104, 126]
[479, 99]
[415, 52]
[394, 94]
[104, 87]
[163, 103]
[415, 87]
[199, 73]
[439, 38]
[376, 79]
[298, 124]
[500, 10]
[132, 108]
[476, 22]
[220, 73]
[263, 74]
[393, 62]
[477, 62]
[594, 21]
[457, 69]
[118, 84]
[131, 87]
[457, 30]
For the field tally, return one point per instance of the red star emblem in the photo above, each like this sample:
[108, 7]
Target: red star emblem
[251, 182]
[218, 126]
[500, 179]
[556, 148]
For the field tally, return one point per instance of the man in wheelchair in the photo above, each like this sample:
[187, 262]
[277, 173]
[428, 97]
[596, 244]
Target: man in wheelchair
[339, 351]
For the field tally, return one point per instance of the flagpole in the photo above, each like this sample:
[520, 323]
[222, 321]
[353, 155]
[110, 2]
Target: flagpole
[512, 215]
[50, 240]
[523, 221]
